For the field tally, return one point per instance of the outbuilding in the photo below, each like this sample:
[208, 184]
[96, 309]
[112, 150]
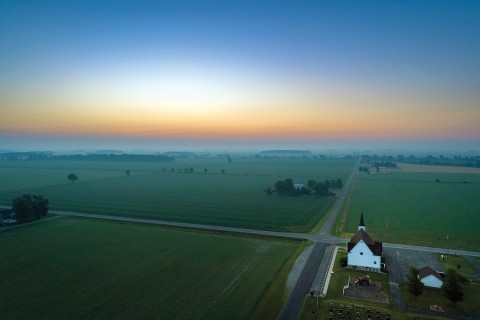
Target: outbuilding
[430, 278]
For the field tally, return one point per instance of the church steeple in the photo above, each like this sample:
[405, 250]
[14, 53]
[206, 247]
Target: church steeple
[361, 225]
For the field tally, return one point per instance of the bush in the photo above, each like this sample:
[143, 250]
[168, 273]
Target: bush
[344, 261]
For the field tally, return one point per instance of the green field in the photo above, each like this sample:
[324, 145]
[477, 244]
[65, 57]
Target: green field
[413, 208]
[72, 268]
[155, 191]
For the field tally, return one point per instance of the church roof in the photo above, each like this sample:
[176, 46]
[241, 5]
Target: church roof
[427, 271]
[375, 246]
[362, 235]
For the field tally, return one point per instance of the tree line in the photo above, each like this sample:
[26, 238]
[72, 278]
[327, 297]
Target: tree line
[287, 187]
[30, 207]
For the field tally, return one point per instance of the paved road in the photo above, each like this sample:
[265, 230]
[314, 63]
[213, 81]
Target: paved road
[326, 229]
[295, 301]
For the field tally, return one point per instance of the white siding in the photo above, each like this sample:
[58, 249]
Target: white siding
[362, 256]
[432, 281]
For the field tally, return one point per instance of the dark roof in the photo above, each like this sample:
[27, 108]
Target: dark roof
[362, 235]
[427, 271]
[375, 246]
[362, 223]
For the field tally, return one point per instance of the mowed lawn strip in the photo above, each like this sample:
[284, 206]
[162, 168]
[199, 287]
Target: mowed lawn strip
[78, 268]
[414, 208]
[231, 199]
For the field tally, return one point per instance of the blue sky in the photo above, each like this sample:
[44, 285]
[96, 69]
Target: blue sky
[401, 70]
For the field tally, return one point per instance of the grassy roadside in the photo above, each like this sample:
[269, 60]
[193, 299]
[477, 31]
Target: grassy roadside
[275, 295]
[459, 264]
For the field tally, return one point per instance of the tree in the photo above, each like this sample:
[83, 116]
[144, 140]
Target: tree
[453, 286]
[40, 206]
[285, 187]
[339, 183]
[27, 207]
[205, 170]
[414, 285]
[22, 206]
[127, 172]
[223, 171]
[72, 177]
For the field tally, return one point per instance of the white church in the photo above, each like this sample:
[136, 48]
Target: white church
[363, 251]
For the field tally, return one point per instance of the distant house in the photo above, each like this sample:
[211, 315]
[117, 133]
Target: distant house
[363, 251]
[298, 186]
[430, 277]
[7, 216]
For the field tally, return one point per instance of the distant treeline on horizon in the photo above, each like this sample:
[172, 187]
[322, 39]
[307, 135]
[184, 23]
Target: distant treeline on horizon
[12, 156]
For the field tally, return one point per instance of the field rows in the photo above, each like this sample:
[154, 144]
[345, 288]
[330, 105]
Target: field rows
[231, 199]
[77, 269]
[413, 208]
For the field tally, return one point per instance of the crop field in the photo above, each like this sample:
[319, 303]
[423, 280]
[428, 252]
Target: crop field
[72, 268]
[160, 191]
[422, 208]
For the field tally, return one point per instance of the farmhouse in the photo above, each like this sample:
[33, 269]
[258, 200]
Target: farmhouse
[363, 251]
[430, 277]
[298, 186]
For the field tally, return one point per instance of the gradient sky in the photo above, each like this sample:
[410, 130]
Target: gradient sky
[296, 71]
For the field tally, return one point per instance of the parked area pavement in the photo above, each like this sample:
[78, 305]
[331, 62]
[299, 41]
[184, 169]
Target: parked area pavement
[400, 260]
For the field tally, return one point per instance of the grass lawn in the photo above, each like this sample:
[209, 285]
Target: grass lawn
[72, 268]
[334, 295]
[459, 264]
[470, 306]
[235, 198]
[400, 207]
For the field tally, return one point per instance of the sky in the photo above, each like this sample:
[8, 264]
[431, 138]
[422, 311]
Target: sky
[173, 74]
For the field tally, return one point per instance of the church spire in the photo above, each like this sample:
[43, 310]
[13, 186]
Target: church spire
[361, 225]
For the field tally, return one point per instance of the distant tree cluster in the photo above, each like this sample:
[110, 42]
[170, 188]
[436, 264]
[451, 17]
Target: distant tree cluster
[287, 187]
[363, 169]
[115, 157]
[322, 188]
[457, 160]
[385, 164]
[29, 207]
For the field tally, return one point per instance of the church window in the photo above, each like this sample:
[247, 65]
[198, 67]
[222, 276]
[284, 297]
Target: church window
[374, 262]
[361, 253]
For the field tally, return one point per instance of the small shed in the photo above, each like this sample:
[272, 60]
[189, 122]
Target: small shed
[430, 278]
